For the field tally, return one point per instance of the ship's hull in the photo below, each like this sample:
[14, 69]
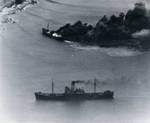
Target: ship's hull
[48, 33]
[86, 96]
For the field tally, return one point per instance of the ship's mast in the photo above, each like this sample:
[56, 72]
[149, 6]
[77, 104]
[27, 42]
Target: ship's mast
[52, 86]
[48, 26]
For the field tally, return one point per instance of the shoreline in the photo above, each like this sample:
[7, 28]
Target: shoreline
[10, 8]
[16, 7]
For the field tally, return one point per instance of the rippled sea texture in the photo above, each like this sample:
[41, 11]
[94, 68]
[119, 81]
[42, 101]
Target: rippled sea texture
[29, 61]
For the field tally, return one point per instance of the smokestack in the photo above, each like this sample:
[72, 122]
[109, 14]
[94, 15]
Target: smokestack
[75, 82]
[95, 85]
[72, 85]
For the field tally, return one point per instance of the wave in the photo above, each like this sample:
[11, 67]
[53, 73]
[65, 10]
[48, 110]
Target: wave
[55, 2]
[46, 19]
[67, 4]
[118, 52]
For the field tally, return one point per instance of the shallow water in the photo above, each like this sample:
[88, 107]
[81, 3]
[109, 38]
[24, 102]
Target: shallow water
[29, 61]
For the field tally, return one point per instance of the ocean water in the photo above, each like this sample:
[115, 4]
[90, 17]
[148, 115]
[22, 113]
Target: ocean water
[29, 61]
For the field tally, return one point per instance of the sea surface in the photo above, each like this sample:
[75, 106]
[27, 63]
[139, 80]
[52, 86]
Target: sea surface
[29, 62]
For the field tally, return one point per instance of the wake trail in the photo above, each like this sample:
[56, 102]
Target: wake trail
[114, 52]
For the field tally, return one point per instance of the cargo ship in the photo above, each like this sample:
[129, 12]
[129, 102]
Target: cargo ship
[73, 93]
[51, 34]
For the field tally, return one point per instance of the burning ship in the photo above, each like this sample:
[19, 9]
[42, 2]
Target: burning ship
[73, 93]
[51, 34]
